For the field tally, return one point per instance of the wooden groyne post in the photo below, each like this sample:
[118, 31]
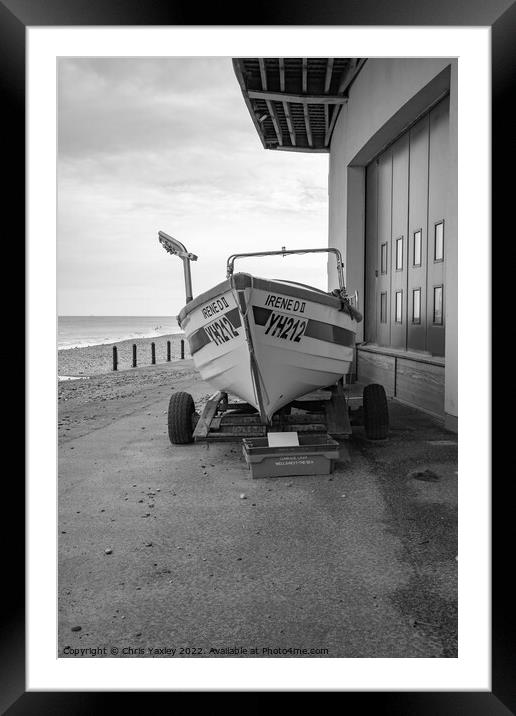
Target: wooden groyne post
[182, 349]
[134, 355]
[168, 351]
[115, 358]
[153, 353]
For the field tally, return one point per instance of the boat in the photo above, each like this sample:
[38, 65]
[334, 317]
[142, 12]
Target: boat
[267, 341]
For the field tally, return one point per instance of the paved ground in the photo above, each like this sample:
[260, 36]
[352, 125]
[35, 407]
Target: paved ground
[361, 563]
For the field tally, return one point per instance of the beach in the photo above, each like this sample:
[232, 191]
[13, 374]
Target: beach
[176, 547]
[98, 359]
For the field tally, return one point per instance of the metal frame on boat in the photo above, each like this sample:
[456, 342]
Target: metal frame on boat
[285, 252]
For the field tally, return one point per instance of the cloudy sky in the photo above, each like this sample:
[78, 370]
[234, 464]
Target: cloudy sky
[166, 143]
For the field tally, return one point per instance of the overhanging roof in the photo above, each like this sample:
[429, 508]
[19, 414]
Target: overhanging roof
[294, 101]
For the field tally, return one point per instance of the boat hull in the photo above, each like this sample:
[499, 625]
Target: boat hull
[268, 342]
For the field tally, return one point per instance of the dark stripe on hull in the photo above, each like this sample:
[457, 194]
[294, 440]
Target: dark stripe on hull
[315, 329]
[261, 315]
[200, 338]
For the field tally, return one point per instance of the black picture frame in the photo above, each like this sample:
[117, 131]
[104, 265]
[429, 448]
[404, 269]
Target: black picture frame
[15, 17]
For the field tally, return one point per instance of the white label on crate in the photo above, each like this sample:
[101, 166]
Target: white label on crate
[283, 439]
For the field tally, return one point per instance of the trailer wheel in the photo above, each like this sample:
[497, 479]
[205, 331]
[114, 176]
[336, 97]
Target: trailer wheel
[181, 411]
[375, 412]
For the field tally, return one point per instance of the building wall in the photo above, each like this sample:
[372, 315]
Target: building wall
[451, 405]
[386, 98]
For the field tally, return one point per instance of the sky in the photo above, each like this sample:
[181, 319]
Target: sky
[148, 144]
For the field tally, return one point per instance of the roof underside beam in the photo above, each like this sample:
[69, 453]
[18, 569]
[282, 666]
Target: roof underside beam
[238, 69]
[345, 83]
[298, 98]
[275, 122]
[305, 106]
[307, 126]
[295, 102]
[270, 107]
[281, 65]
[327, 83]
[355, 66]
[331, 125]
[286, 108]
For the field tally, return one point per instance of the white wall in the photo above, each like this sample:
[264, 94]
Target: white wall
[386, 97]
[452, 267]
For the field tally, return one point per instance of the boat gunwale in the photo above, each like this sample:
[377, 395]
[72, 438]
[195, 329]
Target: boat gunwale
[241, 281]
[221, 287]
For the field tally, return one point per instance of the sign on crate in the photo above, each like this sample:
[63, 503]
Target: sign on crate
[287, 439]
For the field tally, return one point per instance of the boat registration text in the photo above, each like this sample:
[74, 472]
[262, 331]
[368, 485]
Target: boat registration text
[221, 331]
[290, 328]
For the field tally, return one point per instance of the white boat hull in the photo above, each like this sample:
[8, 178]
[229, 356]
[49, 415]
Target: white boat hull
[268, 342]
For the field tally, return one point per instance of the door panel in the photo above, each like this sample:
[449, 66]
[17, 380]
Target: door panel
[400, 165]
[437, 201]
[418, 235]
[383, 282]
[371, 253]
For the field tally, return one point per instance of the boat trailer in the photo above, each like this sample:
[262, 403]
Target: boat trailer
[327, 411]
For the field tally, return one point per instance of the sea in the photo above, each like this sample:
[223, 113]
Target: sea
[81, 331]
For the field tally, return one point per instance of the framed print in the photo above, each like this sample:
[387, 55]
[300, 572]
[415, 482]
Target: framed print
[152, 561]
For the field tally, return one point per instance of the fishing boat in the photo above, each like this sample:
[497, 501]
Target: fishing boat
[267, 341]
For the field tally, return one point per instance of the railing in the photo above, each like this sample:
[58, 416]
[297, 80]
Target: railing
[285, 252]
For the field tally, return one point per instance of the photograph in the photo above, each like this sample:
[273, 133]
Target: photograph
[257, 325]
[258, 254]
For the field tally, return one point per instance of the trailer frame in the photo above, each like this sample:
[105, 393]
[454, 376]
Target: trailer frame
[325, 411]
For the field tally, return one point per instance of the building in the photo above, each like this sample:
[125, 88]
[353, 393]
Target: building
[390, 127]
